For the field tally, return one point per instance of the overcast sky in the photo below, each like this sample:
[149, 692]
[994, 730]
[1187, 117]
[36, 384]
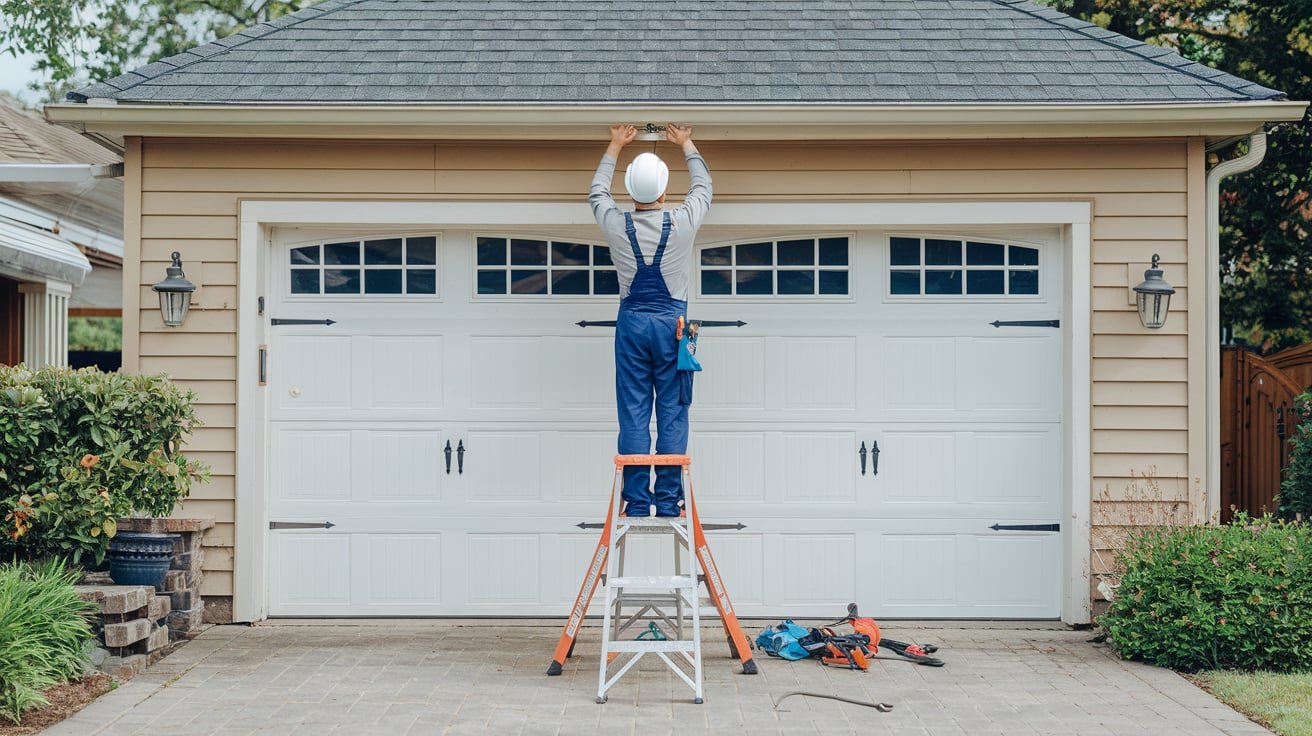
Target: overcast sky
[15, 74]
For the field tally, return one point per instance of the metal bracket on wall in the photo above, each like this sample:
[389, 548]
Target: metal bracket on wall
[1026, 323]
[276, 321]
[1026, 527]
[301, 525]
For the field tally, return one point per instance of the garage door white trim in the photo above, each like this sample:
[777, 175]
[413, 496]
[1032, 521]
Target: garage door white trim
[258, 218]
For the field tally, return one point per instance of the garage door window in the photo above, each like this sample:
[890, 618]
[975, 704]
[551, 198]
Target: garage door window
[815, 266]
[542, 267]
[950, 267]
[386, 266]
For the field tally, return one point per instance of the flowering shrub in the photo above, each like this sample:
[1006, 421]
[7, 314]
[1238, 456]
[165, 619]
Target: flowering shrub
[1296, 489]
[79, 449]
[1237, 596]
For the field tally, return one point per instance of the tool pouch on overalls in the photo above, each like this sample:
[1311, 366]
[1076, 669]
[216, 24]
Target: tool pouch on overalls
[686, 333]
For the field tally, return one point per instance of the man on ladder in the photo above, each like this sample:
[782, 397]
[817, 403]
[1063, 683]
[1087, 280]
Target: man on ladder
[652, 249]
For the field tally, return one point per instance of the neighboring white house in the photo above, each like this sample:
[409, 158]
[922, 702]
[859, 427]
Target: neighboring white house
[61, 235]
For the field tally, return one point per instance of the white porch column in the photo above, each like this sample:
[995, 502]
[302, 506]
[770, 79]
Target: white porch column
[45, 323]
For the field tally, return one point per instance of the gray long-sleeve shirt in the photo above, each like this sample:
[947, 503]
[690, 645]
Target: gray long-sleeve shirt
[676, 264]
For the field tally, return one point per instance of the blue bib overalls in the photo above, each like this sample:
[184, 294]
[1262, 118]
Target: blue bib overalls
[646, 362]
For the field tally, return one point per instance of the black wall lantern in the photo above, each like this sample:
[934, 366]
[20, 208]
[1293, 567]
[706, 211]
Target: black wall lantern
[174, 293]
[1154, 297]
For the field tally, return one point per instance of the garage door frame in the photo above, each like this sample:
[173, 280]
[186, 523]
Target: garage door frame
[258, 219]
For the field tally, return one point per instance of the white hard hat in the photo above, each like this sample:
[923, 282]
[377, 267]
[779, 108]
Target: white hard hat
[646, 178]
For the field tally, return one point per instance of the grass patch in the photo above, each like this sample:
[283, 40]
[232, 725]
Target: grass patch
[1280, 701]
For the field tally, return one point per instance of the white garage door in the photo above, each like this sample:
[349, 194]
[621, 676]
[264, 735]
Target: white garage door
[467, 340]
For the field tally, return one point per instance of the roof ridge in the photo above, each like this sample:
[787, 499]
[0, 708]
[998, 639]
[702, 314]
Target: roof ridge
[1061, 19]
[317, 10]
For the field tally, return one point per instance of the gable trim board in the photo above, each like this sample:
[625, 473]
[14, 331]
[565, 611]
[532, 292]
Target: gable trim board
[258, 218]
[811, 121]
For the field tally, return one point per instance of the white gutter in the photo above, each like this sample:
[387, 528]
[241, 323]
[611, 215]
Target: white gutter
[743, 121]
[68, 229]
[1246, 162]
[59, 173]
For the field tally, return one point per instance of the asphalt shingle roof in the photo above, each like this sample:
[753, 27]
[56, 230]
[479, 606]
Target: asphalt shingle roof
[676, 51]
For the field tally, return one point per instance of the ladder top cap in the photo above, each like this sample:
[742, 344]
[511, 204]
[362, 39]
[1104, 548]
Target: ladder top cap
[623, 460]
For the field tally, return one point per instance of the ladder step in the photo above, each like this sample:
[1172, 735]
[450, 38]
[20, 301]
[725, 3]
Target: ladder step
[653, 522]
[651, 646]
[652, 582]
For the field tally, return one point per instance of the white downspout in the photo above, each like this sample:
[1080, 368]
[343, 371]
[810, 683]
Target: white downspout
[1250, 160]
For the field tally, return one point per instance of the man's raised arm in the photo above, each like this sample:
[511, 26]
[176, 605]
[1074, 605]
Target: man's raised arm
[599, 196]
[698, 201]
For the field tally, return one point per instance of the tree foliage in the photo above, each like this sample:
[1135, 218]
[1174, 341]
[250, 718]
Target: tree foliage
[1266, 214]
[81, 41]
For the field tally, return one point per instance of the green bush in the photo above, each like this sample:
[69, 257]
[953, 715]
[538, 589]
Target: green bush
[95, 333]
[1237, 596]
[44, 633]
[81, 448]
[1296, 489]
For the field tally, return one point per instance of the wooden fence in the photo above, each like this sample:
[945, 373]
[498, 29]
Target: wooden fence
[1257, 417]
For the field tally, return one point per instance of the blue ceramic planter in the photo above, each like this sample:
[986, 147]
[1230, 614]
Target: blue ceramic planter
[140, 558]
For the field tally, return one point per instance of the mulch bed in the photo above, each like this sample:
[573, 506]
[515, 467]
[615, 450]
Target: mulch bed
[65, 700]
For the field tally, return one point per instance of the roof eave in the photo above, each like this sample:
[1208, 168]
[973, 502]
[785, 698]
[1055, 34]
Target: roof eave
[741, 121]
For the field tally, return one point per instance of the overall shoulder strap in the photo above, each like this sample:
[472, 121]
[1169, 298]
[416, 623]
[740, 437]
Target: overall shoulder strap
[630, 231]
[665, 238]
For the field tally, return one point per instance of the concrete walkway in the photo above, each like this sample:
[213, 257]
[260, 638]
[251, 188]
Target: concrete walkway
[440, 677]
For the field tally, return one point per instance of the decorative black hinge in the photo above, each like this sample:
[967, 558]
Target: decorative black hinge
[301, 525]
[276, 321]
[1026, 323]
[704, 323]
[1026, 527]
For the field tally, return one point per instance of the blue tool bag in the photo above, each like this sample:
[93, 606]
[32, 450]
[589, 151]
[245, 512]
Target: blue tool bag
[784, 640]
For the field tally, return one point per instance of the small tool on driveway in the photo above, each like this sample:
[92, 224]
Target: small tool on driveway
[881, 707]
[917, 653]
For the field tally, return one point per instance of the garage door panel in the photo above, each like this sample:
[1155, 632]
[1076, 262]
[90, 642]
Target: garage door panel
[1015, 570]
[405, 372]
[398, 465]
[735, 374]
[309, 571]
[817, 468]
[917, 468]
[395, 569]
[312, 464]
[311, 373]
[919, 374]
[583, 372]
[577, 467]
[740, 558]
[917, 570]
[1017, 468]
[509, 467]
[729, 467]
[503, 569]
[505, 372]
[813, 573]
[820, 373]
[1008, 375]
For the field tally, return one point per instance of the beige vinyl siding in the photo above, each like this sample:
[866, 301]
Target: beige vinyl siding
[1145, 194]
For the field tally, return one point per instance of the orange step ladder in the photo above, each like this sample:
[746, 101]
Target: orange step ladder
[652, 594]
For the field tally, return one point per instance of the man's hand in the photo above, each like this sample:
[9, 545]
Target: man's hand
[680, 135]
[620, 136]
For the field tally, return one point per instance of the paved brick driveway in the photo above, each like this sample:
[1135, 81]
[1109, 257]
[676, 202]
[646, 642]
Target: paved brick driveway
[425, 677]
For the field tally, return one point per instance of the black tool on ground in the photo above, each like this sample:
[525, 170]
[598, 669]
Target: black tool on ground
[917, 653]
[881, 707]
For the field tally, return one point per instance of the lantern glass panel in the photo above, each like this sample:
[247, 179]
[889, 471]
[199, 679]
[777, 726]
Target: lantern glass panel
[173, 307]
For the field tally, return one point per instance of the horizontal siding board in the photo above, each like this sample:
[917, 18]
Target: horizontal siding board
[278, 181]
[210, 392]
[194, 367]
[1139, 228]
[1141, 488]
[1033, 181]
[220, 488]
[216, 584]
[1140, 394]
[1119, 274]
[212, 439]
[199, 320]
[1140, 369]
[1140, 346]
[189, 226]
[222, 534]
[1117, 298]
[156, 250]
[1127, 322]
[839, 157]
[200, 154]
[188, 343]
[1136, 417]
[221, 463]
[217, 559]
[1140, 441]
[212, 296]
[1159, 204]
[200, 508]
[217, 415]
[1139, 250]
[1162, 465]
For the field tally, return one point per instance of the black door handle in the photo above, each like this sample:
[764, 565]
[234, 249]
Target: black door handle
[447, 452]
[874, 458]
[460, 457]
[862, 453]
